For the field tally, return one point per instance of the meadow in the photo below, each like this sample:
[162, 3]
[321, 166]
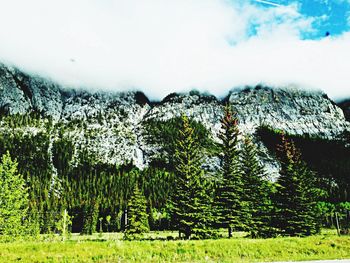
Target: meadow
[109, 247]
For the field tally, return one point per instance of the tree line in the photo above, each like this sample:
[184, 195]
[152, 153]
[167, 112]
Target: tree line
[177, 194]
[243, 199]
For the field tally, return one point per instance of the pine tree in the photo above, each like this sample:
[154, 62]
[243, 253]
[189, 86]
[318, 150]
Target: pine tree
[257, 192]
[296, 198]
[13, 198]
[32, 223]
[90, 216]
[231, 209]
[190, 202]
[137, 216]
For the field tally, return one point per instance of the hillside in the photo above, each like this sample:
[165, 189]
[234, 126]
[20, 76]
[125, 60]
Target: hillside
[85, 150]
[112, 127]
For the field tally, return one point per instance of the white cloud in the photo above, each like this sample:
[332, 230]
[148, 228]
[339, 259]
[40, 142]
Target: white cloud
[161, 46]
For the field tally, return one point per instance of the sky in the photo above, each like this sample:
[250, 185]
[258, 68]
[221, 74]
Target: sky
[163, 46]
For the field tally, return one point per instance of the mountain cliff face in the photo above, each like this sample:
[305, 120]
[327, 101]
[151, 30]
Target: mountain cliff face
[111, 126]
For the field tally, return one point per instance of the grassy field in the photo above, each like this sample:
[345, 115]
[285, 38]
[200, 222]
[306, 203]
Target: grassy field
[110, 248]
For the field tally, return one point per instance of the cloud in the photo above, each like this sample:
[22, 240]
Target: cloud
[161, 46]
[267, 2]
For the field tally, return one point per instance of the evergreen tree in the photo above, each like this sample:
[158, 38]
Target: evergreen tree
[90, 214]
[257, 192]
[296, 197]
[190, 203]
[231, 209]
[137, 216]
[13, 198]
[32, 223]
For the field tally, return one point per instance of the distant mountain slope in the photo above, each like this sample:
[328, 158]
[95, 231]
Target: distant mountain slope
[110, 126]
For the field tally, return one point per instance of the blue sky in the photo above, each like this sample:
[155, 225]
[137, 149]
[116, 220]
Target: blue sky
[336, 11]
[164, 46]
[331, 16]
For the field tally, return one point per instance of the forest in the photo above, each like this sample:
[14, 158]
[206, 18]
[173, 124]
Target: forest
[51, 189]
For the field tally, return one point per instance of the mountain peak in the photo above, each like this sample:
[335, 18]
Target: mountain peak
[110, 125]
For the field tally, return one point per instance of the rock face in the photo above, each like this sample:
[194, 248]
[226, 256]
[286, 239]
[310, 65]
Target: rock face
[21, 93]
[110, 125]
[292, 110]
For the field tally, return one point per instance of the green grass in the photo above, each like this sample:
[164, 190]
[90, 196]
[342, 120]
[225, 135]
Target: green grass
[109, 248]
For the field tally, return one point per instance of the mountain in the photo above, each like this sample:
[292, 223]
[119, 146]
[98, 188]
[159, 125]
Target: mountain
[114, 127]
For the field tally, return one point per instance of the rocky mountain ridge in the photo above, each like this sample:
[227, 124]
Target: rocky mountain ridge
[110, 125]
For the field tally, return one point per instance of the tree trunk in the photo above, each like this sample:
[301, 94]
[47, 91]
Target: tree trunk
[229, 232]
[188, 234]
[337, 221]
[332, 221]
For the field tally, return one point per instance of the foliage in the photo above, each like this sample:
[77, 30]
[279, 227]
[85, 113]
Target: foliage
[13, 198]
[59, 174]
[230, 206]
[296, 197]
[163, 135]
[64, 224]
[257, 192]
[330, 159]
[76, 174]
[190, 202]
[326, 210]
[108, 221]
[335, 211]
[343, 209]
[137, 216]
[90, 216]
[31, 151]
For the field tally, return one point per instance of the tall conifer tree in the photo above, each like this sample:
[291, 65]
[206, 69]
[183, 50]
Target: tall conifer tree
[296, 197]
[231, 209]
[90, 216]
[257, 192]
[13, 198]
[191, 202]
[138, 218]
